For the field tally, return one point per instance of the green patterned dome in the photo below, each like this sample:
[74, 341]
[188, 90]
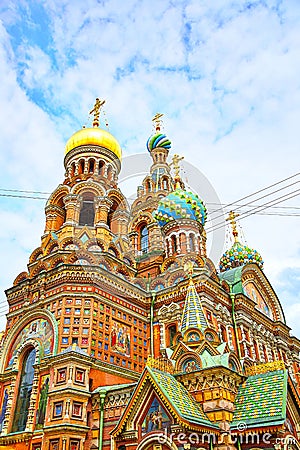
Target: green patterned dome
[180, 204]
[239, 255]
[158, 140]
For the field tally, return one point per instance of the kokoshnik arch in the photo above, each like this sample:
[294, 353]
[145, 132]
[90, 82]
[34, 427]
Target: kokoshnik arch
[123, 332]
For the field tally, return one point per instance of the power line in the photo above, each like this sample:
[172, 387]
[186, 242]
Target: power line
[261, 190]
[245, 214]
[25, 192]
[259, 198]
[23, 196]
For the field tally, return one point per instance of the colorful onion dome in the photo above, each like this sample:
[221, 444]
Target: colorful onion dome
[239, 255]
[180, 204]
[158, 140]
[94, 136]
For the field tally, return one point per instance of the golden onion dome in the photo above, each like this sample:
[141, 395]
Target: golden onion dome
[94, 136]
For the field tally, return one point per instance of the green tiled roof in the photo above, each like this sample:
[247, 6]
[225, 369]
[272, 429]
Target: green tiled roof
[234, 278]
[261, 400]
[183, 402]
[193, 315]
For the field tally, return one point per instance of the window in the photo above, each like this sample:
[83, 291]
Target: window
[87, 212]
[65, 340]
[57, 409]
[25, 388]
[84, 341]
[67, 320]
[172, 331]
[66, 330]
[85, 331]
[192, 243]
[61, 375]
[144, 239]
[54, 443]
[79, 375]
[74, 444]
[174, 244]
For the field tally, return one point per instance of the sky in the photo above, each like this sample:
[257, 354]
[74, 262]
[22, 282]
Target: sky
[225, 74]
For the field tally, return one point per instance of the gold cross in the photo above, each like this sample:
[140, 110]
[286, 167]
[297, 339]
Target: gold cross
[175, 163]
[157, 121]
[96, 111]
[231, 218]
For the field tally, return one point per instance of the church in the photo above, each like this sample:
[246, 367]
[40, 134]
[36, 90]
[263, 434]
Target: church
[122, 334]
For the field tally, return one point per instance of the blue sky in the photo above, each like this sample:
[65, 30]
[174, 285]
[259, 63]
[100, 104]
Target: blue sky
[224, 73]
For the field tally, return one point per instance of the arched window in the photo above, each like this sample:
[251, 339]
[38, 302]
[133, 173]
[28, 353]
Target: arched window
[25, 388]
[73, 168]
[109, 173]
[265, 353]
[101, 168]
[87, 212]
[182, 239]
[192, 243]
[81, 166]
[91, 165]
[223, 333]
[174, 244]
[148, 186]
[256, 351]
[172, 331]
[144, 239]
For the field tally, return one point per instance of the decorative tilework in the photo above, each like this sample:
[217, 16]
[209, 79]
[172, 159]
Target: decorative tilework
[261, 400]
[193, 315]
[183, 403]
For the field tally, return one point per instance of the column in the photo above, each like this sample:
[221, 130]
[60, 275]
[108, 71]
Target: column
[102, 207]
[73, 204]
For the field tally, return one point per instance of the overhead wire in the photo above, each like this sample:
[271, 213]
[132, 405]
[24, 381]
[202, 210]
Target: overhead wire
[260, 190]
[245, 214]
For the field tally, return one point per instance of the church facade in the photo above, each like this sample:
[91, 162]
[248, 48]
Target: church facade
[122, 334]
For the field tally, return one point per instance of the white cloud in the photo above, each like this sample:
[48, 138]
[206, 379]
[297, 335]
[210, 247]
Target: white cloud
[224, 73]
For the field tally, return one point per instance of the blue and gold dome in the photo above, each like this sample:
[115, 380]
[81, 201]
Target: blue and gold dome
[239, 255]
[158, 140]
[180, 204]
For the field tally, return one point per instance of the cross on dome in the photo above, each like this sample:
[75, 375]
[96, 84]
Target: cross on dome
[96, 111]
[231, 218]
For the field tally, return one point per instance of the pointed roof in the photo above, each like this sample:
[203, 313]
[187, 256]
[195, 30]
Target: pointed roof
[173, 395]
[193, 314]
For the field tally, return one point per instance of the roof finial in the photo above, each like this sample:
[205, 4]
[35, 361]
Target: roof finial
[175, 163]
[157, 122]
[96, 111]
[231, 218]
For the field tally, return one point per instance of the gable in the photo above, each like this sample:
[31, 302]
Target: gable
[173, 402]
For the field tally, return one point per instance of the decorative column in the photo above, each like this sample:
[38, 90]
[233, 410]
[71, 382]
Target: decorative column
[102, 207]
[32, 406]
[73, 204]
[10, 402]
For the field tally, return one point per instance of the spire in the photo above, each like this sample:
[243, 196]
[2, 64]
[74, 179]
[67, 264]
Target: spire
[231, 218]
[193, 314]
[96, 112]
